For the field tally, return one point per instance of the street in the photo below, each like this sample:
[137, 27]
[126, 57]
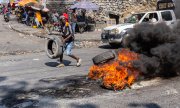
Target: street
[29, 79]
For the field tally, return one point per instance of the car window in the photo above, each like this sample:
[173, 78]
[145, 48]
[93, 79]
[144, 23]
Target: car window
[151, 16]
[134, 18]
[166, 16]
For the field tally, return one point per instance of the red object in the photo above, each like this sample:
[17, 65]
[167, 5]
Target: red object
[66, 16]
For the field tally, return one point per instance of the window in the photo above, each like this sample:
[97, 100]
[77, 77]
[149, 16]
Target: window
[134, 18]
[166, 16]
[150, 16]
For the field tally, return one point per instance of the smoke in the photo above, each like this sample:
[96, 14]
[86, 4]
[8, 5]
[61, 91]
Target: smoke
[177, 8]
[159, 47]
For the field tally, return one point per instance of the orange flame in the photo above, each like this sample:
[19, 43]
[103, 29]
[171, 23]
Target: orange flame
[117, 74]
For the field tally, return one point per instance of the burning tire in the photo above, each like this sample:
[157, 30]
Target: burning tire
[104, 57]
[54, 47]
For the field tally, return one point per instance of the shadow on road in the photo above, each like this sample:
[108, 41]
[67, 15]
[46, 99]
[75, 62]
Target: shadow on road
[54, 64]
[19, 95]
[70, 87]
[16, 96]
[144, 105]
[2, 78]
[108, 47]
[83, 106]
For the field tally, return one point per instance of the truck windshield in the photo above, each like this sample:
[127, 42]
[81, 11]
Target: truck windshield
[134, 18]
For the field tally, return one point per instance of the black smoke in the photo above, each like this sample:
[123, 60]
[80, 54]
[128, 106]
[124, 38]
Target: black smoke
[159, 48]
[177, 8]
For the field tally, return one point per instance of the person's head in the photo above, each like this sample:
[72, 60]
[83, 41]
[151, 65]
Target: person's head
[134, 17]
[62, 19]
[151, 16]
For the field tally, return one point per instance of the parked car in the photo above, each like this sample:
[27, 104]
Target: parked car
[116, 35]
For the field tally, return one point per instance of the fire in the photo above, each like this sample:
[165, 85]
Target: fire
[117, 74]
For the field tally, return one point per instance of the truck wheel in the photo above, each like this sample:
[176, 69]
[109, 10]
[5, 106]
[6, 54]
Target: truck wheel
[103, 57]
[54, 47]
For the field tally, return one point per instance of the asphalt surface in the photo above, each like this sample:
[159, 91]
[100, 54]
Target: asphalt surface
[12, 43]
[27, 79]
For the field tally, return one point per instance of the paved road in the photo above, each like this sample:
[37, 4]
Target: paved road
[27, 72]
[33, 81]
[12, 43]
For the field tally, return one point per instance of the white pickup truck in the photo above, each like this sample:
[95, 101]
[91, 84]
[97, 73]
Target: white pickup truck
[114, 35]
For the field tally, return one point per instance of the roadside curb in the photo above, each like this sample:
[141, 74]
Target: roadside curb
[43, 37]
[26, 33]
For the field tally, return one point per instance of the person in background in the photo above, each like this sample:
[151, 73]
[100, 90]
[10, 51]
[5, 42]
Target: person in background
[73, 20]
[55, 16]
[38, 19]
[1, 9]
[6, 11]
[9, 7]
[25, 17]
[65, 14]
[68, 41]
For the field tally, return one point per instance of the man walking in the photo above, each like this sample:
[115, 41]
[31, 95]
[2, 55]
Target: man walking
[68, 41]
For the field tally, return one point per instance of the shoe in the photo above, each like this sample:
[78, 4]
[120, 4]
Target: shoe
[79, 62]
[60, 65]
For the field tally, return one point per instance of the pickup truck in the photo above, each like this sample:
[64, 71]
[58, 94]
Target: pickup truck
[115, 35]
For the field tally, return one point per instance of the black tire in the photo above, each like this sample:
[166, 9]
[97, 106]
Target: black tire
[115, 45]
[103, 57]
[49, 48]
